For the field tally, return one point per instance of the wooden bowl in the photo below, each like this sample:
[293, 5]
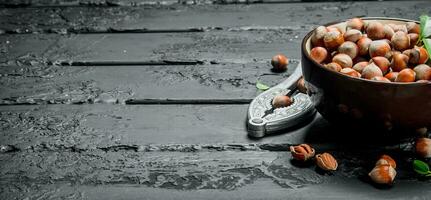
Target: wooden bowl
[362, 103]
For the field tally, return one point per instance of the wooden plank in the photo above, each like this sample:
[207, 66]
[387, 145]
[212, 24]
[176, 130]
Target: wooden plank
[99, 174]
[136, 127]
[165, 128]
[38, 83]
[169, 48]
[56, 3]
[263, 16]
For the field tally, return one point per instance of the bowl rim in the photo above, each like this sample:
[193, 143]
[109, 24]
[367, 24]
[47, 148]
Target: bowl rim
[307, 54]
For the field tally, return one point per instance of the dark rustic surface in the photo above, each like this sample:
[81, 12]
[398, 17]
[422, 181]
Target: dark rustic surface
[69, 71]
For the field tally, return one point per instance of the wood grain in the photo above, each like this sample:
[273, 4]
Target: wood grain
[178, 17]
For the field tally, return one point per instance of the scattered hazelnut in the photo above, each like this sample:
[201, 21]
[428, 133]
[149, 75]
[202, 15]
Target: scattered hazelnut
[399, 62]
[279, 62]
[423, 72]
[326, 162]
[302, 152]
[379, 48]
[363, 45]
[371, 71]
[281, 101]
[319, 54]
[381, 62]
[391, 76]
[359, 67]
[383, 174]
[386, 160]
[349, 48]
[350, 72]
[333, 39]
[375, 31]
[423, 147]
[406, 75]
[301, 85]
[352, 35]
[343, 60]
[413, 27]
[333, 66]
[400, 40]
[355, 23]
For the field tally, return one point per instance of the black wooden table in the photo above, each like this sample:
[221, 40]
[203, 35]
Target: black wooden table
[147, 99]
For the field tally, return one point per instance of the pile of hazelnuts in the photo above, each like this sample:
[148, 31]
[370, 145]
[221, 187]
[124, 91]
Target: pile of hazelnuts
[372, 50]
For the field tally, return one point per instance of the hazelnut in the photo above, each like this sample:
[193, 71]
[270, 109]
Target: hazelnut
[379, 48]
[383, 174]
[382, 63]
[375, 31]
[413, 27]
[279, 62]
[352, 35]
[281, 101]
[333, 39]
[389, 32]
[380, 78]
[399, 62]
[423, 55]
[302, 152]
[349, 48]
[399, 27]
[317, 38]
[319, 54]
[391, 53]
[386, 160]
[350, 72]
[400, 40]
[406, 75]
[333, 66]
[413, 54]
[326, 162]
[363, 45]
[343, 60]
[301, 85]
[355, 23]
[333, 28]
[359, 67]
[422, 131]
[391, 76]
[414, 37]
[423, 72]
[371, 71]
[423, 147]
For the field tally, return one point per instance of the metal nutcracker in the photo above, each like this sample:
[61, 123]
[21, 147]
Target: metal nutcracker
[263, 119]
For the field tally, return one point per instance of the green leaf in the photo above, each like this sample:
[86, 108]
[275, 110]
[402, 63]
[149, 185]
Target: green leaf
[261, 86]
[425, 26]
[421, 167]
[427, 44]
